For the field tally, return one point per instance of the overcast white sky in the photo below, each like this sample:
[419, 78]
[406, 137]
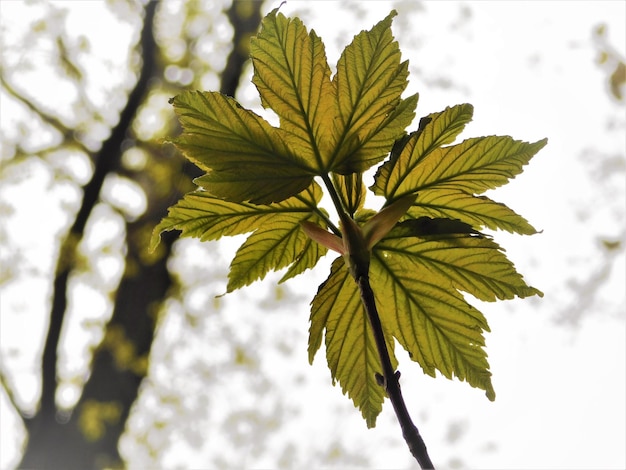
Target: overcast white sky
[529, 70]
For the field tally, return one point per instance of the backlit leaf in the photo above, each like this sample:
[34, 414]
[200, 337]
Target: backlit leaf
[433, 322]
[479, 211]
[255, 183]
[246, 158]
[424, 248]
[352, 191]
[276, 243]
[338, 314]
[277, 239]
[472, 264]
[428, 227]
[473, 166]
[293, 78]
[370, 79]
[306, 259]
[435, 130]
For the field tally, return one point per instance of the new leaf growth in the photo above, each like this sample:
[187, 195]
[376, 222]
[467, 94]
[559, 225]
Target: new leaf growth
[420, 252]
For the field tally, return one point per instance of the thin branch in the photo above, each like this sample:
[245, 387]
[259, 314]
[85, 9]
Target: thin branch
[390, 379]
[359, 267]
[66, 133]
[4, 381]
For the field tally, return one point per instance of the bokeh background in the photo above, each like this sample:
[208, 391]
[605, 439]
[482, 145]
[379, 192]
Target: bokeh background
[111, 356]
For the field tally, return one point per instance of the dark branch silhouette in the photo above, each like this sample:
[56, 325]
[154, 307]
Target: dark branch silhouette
[390, 379]
[106, 161]
[143, 287]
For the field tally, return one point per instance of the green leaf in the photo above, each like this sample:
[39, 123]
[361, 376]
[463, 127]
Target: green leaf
[435, 130]
[371, 148]
[293, 78]
[253, 183]
[351, 190]
[422, 251]
[479, 211]
[377, 227]
[308, 257]
[433, 322]
[201, 215]
[370, 79]
[417, 281]
[338, 314]
[277, 239]
[473, 166]
[473, 264]
[278, 242]
[246, 158]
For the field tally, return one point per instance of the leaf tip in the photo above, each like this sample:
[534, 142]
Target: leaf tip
[378, 226]
[370, 421]
[155, 239]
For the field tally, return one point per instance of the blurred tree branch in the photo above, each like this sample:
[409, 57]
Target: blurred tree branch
[67, 134]
[4, 380]
[106, 160]
[113, 384]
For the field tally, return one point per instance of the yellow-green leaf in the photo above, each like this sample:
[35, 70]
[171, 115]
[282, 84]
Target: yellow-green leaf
[306, 259]
[479, 211]
[475, 165]
[435, 130]
[258, 184]
[433, 228]
[246, 158]
[376, 228]
[277, 239]
[276, 243]
[433, 322]
[293, 78]
[422, 251]
[374, 146]
[201, 215]
[351, 190]
[370, 79]
[472, 264]
[338, 314]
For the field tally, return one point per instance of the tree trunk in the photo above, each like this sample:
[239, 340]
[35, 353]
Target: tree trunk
[89, 438]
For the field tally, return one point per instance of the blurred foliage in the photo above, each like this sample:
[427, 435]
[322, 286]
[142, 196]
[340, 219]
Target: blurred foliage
[124, 351]
[94, 417]
[53, 135]
[611, 61]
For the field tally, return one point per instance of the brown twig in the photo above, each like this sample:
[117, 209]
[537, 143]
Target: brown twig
[390, 378]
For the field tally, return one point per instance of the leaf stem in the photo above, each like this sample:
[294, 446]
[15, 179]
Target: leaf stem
[390, 379]
[337, 202]
[324, 217]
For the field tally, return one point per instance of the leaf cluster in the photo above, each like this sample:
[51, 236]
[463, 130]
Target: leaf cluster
[261, 180]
